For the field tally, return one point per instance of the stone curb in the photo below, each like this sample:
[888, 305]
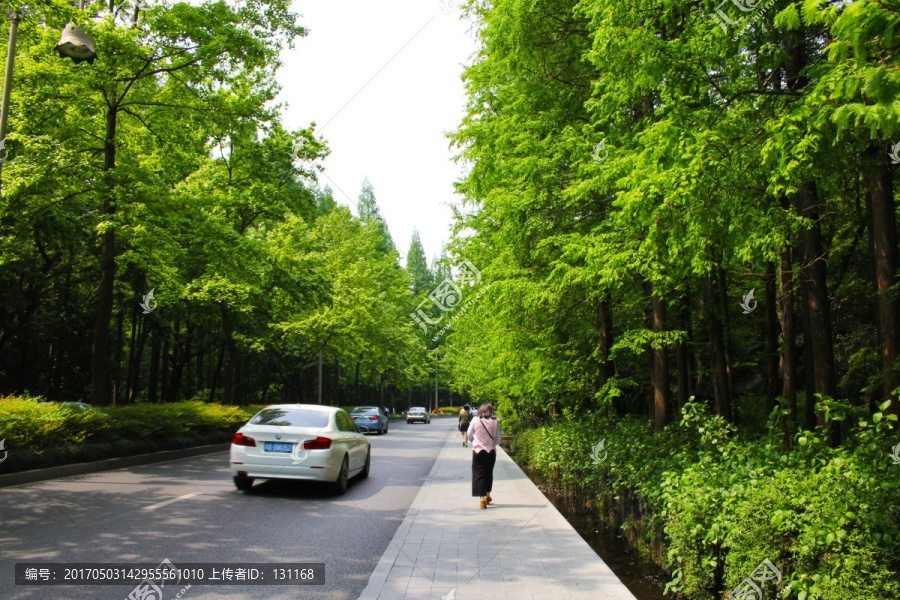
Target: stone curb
[107, 465]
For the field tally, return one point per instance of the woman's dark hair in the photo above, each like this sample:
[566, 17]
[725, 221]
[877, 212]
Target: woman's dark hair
[486, 411]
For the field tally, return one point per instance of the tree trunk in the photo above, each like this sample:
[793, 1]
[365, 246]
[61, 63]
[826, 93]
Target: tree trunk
[216, 373]
[771, 339]
[129, 381]
[177, 365]
[788, 348]
[819, 309]
[717, 349]
[335, 394]
[356, 380]
[200, 372]
[231, 366]
[880, 192]
[726, 327]
[809, 382]
[188, 359]
[682, 353]
[152, 390]
[607, 369]
[120, 343]
[661, 390]
[143, 331]
[100, 349]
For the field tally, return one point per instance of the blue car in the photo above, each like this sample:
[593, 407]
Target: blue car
[369, 419]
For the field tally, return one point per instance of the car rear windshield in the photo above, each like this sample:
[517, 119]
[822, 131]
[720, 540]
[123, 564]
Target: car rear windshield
[291, 417]
[365, 410]
[417, 409]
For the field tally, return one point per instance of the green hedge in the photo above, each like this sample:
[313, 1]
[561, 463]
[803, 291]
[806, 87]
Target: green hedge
[719, 503]
[29, 423]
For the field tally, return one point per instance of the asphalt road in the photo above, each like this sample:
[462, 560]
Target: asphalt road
[120, 516]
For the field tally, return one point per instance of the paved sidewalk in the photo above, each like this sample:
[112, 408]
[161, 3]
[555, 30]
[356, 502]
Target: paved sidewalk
[519, 548]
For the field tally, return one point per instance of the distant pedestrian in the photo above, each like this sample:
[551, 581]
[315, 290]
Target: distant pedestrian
[484, 431]
[464, 419]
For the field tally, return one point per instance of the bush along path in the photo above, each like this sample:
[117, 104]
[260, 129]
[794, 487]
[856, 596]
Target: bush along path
[711, 506]
[40, 434]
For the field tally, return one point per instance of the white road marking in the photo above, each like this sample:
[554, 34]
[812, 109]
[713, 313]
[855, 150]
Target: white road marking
[167, 502]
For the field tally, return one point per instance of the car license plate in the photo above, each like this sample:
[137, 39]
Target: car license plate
[276, 447]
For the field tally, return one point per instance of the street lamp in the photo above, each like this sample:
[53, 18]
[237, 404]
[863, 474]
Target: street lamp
[76, 44]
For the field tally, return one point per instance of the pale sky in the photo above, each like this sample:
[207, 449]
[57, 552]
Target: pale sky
[393, 129]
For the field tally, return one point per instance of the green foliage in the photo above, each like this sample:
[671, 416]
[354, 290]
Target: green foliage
[27, 422]
[725, 502]
[417, 267]
[211, 203]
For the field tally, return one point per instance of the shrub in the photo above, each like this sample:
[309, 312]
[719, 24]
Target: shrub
[720, 502]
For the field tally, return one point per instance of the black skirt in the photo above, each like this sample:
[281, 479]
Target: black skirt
[483, 472]
[464, 427]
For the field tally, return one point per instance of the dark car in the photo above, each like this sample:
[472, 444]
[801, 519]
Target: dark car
[370, 418]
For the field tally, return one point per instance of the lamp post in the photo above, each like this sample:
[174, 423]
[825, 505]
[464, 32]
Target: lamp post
[14, 19]
[436, 404]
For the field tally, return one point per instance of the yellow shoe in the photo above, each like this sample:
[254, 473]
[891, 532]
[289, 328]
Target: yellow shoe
[489, 499]
[484, 503]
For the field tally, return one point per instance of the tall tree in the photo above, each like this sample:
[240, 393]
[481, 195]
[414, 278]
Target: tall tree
[370, 213]
[417, 266]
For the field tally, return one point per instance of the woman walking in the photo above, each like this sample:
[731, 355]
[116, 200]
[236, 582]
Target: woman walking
[464, 420]
[484, 431]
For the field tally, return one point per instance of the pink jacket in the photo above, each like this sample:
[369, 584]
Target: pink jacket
[481, 432]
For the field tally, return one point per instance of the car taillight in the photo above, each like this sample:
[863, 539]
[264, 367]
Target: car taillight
[320, 443]
[242, 440]
[373, 418]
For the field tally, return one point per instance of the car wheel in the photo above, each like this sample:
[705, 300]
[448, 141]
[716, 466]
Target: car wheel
[340, 486]
[386, 427]
[365, 472]
[408, 422]
[243, 483]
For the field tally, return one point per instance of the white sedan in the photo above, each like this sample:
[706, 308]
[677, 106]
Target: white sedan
[299, 441]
